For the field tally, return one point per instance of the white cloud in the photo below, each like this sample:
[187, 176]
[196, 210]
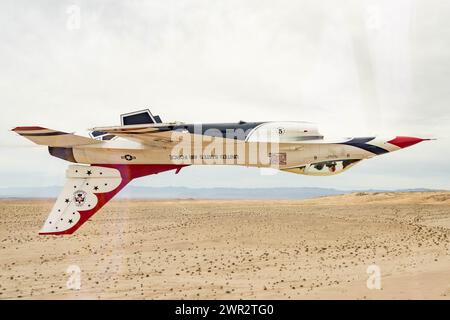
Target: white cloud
[357, 68]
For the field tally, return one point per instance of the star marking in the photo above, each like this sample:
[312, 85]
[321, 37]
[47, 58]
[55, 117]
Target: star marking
[67, 200]
[89, 172]
[95, 188]
[70, 221]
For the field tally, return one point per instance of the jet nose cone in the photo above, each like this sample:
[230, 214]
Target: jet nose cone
[403, 142]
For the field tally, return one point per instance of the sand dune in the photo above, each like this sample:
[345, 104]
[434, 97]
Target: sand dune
[193, 249]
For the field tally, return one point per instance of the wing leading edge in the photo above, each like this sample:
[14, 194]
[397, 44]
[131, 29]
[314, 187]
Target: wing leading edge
[53, 138]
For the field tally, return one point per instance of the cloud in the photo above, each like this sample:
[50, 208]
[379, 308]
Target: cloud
[357, 68]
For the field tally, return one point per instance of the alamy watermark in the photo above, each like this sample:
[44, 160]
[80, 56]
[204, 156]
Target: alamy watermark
[74, 281]
[73, 21]
[374, 280]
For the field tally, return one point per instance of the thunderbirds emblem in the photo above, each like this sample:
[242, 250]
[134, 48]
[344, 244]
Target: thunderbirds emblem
[79, 197]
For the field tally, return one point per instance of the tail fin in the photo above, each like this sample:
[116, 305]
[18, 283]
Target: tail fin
[88, 189]
[52, 138]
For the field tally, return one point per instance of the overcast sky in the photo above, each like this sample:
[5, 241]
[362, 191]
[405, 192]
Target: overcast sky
[355, 67]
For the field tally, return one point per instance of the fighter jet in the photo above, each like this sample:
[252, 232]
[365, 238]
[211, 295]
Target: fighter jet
[144, 145]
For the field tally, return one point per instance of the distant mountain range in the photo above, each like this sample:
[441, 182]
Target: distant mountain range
[134, 192]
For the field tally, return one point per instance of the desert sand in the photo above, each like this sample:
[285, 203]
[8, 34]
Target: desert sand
[206, 249]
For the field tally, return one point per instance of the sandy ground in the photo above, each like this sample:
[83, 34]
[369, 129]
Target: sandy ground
[192, 249]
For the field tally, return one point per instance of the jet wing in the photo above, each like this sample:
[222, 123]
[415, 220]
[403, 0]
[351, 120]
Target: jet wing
[53, 138]
[161, 135]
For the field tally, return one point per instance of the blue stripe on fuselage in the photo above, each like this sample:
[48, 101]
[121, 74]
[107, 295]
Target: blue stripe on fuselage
[362, 144]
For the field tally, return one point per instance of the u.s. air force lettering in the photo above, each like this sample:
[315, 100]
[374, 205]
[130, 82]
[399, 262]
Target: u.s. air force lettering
[204, 157]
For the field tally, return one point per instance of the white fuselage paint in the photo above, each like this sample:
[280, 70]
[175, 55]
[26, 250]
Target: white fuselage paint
[290, 148]
[279, 145]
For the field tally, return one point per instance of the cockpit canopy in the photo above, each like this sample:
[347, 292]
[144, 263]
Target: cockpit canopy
[325, 168]
[288, 131]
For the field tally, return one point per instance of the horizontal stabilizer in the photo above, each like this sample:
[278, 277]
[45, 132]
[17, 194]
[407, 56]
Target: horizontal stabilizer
[52, 138]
